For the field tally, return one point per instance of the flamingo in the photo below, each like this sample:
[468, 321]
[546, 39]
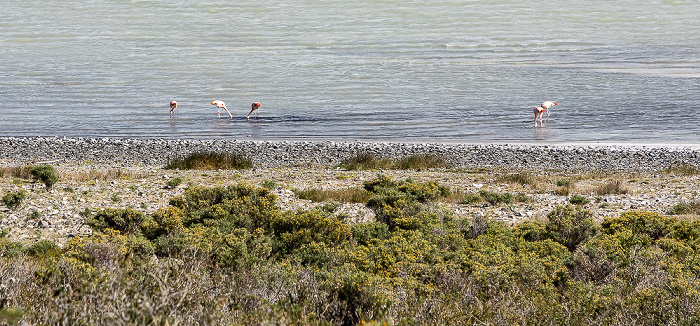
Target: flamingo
[173, 106]
[539, 111]
[221, 105]
[253, 107]
[546, 105]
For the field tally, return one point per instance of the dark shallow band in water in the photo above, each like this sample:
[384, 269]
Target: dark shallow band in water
[272, 154]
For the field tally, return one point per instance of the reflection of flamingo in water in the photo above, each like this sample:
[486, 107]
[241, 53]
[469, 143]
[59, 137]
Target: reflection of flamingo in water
[173, 106]
[546, 105]
[253, 107]
[539, 111]
[221, 105]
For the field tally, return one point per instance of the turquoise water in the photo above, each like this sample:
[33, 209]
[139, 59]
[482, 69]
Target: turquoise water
[465, 71]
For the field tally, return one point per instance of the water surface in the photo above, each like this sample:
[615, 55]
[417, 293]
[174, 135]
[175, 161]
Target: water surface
[451, 71]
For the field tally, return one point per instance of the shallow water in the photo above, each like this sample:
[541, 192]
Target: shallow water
[466, 71]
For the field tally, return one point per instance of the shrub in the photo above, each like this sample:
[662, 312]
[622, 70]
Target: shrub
[578, 200]
[13, 199]
[297, 229]
[520, 179]
[44, 173]
[364, 161]
[532, 231]
[596, 260]
[422, 192]
[227, 208]
[174, 182]
[496, 198]
[692, 207]
[570, 225]
[269, 184]
[211, 161]
[44, 249]
[9, 248]
[125, 220]
[650, 224]
[163, 221]
[364, 232]
[615, 187]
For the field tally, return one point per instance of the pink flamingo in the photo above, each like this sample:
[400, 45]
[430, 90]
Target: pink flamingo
[546, 105]
[221, 105]
[173, 106]
[539, 111]
[253, 107]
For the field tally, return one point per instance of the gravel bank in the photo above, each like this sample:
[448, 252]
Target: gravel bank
[275, 154]
[100, 173]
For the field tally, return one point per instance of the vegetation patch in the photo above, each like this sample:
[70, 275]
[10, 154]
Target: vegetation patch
[347, 195]
[683, 169]
[689, 207]
[523, 178]
[44, 173]
[211, 161]
[367, 161]
[494, 198]
[13, 199]
[230, 256]
[615, 187]
[579, 200]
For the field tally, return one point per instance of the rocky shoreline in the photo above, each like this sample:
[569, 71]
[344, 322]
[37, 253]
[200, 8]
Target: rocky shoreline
[100, 173]
[275, 154]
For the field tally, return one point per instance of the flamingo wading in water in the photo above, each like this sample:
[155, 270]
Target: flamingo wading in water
[539, 111]
[221, 105]
[173, 106]
[546, 105]
[253, 107]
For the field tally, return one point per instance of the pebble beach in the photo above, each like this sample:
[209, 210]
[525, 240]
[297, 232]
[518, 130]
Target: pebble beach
[110, 172]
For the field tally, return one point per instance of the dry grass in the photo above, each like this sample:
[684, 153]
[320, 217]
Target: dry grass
[346, 195]
[461, 197]
[684, 170]
[22, 172]
[522, 178]
[102, 174]
[211, 161]
[615, 187]
[367, 161]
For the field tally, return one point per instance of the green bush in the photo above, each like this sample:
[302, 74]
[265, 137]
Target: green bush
[423, 192]
[125, 220]
[363, 233]
[570, 225]
[45, 249]
[496, 198]
[532, 231]
[13, 199]
[297, 229]
[578, 200]
[174, 182]
[227, 208]
[9, 248]
[686, 207]
[44, 173]
[649, 224]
